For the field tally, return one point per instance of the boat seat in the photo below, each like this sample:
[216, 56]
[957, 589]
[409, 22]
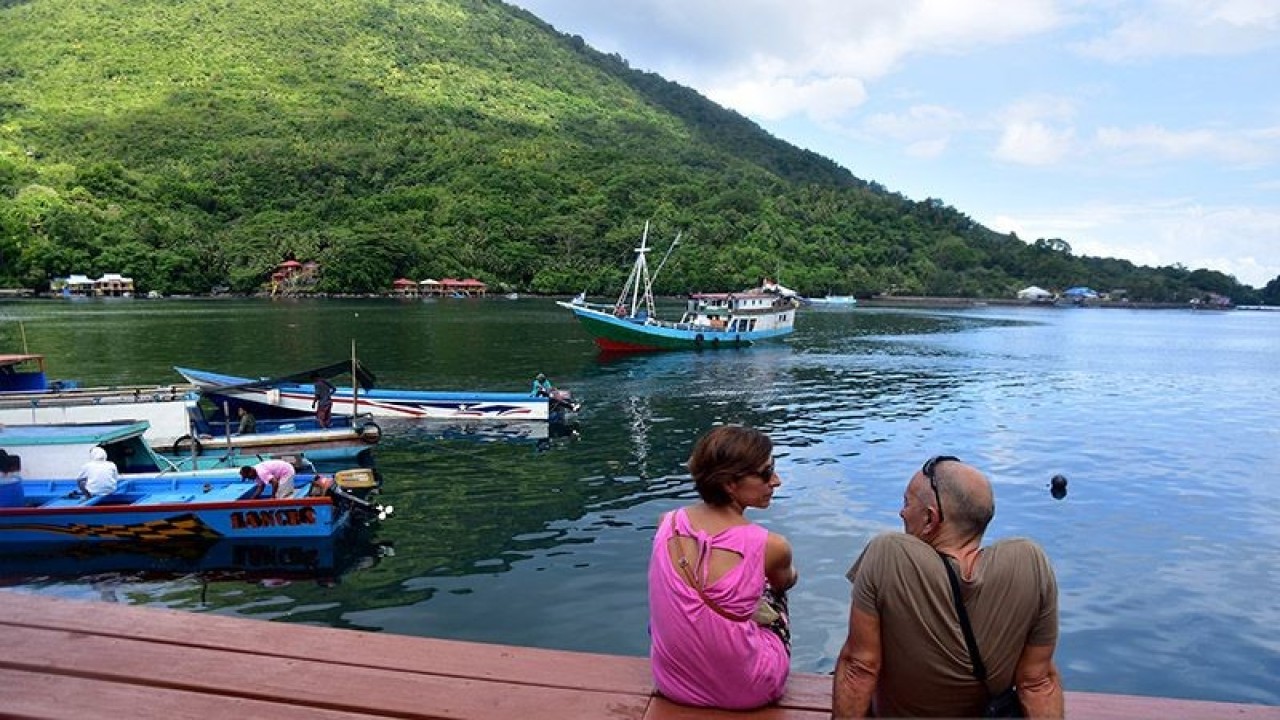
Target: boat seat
[229, 493]
[168, 497]
[64, 502]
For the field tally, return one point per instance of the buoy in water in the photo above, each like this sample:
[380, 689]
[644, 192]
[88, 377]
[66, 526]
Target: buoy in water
[1058, 487]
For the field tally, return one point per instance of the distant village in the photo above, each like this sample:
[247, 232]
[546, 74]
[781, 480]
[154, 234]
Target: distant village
[292, 278]
[289, 278]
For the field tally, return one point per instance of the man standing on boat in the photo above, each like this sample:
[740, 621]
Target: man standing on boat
[323, 401]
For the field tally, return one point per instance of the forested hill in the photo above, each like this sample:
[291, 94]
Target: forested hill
[197, 143]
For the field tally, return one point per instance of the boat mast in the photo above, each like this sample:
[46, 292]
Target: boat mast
[648, 286]
[639, 278]
[355, 385]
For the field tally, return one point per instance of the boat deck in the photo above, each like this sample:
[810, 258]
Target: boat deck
[71, 659]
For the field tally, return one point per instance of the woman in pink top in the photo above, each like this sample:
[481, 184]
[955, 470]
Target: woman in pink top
[709, 569]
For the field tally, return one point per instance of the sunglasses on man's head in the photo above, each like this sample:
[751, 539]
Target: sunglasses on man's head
[929, 468]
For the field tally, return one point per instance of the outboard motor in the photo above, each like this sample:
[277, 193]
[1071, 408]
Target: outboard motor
[562, 405]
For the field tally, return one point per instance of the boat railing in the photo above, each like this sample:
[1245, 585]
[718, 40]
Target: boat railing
[97, 396]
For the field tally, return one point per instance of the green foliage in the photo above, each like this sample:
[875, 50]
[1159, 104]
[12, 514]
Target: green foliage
[197, 144]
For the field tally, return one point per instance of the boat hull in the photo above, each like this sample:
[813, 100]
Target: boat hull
[299, 558]
[165, 511]
[614, 334]
[434, 405]
[173, 417]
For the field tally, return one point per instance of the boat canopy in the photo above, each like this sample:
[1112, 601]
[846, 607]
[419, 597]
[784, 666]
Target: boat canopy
[1080, 292]
[365, 378]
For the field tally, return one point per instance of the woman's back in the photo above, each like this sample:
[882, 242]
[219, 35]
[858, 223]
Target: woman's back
[699, 656]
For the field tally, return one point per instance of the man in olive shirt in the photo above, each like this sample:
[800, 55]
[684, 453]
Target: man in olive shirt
[905, 654]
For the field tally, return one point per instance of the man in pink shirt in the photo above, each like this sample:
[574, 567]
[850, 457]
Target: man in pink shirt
[275, 478]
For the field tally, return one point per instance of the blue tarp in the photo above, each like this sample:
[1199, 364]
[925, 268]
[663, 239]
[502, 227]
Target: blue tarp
[1079, 291]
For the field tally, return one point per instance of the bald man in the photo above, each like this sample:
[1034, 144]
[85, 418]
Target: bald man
[905, 653]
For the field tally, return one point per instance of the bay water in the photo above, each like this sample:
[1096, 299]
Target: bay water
[1165, 423]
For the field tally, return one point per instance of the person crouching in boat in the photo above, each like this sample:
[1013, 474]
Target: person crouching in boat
[542, 387]
[274, 478]
[99, 476]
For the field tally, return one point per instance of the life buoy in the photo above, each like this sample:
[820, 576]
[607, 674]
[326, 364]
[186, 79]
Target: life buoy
[697, 339]
[370, 433]
[715, 342]
[194, 444]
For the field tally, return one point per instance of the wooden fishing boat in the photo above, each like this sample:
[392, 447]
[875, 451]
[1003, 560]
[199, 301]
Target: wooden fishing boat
[179, 426]
[710, 320]
[166, 510]
[835, 300]
[291, 394]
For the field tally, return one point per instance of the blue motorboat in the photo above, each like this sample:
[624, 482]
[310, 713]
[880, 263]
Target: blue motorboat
[167, 510]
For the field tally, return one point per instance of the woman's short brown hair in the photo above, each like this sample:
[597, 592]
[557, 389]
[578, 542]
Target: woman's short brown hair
[725, 454]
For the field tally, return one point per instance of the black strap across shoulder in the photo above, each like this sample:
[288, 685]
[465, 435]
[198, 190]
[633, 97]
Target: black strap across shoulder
[979, 669]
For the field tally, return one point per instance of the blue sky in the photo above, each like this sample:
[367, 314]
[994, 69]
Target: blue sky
[1140, 129]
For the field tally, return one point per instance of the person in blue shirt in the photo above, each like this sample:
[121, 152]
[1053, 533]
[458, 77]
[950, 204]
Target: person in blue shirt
[541, 386]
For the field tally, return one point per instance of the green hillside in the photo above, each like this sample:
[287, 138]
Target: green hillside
[197, 143]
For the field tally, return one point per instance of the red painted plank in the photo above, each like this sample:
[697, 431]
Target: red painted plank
[663, 709]
[304, 683]
[59, 697]
[136, 651]
[536, 666]
[1098, 706]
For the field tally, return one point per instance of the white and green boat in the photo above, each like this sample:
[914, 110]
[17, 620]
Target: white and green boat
[710, 320]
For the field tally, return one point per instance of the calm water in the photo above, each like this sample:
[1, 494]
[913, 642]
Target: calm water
[1167, 547]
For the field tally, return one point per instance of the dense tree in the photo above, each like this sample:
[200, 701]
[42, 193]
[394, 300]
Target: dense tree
[198, 144]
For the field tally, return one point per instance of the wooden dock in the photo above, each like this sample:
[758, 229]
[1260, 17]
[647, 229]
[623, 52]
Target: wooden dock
[77, 660]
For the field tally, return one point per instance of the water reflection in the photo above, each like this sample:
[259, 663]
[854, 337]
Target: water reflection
[223, 576]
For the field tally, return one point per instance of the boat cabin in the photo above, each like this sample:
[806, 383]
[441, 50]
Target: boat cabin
[735, 312]
[24, 373]
[59, 450]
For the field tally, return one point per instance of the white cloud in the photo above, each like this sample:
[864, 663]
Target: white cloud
[776, 98]
[775, 60]
[1035, 131]
[875, 84]
[1150, 143]
[925, 131]
[1237, 241]
[1171, 28]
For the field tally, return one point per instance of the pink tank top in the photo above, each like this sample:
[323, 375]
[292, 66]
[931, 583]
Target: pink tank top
[700, 657]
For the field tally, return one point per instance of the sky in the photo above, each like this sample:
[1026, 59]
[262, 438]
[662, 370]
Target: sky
[1147, 130]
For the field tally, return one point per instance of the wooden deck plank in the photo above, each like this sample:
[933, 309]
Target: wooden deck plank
[181, 664]
[358, 648]
[300, 682]
[59, 697]
[663, 709]
[1099, 706]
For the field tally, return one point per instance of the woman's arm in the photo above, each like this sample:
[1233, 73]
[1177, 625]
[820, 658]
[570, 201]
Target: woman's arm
[778, 567]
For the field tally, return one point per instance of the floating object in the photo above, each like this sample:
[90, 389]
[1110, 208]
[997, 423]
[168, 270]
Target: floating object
[1058, 487]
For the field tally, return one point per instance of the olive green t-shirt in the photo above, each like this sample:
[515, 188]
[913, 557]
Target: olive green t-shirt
[1012, 601]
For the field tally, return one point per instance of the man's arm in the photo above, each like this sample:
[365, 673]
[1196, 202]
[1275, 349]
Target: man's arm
[1039, 685]
[858, 667]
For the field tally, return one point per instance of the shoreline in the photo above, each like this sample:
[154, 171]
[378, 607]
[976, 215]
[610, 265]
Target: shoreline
[878, 301]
